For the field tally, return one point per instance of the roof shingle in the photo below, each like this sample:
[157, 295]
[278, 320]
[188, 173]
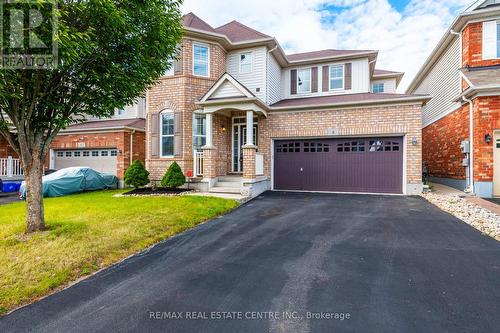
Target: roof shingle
[190, 20]
[238, 32]
[138, 123]
[323, 54]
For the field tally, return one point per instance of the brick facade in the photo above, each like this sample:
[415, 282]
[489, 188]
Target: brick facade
[116, 139]
[5, 148]
[179, 94]
[472, 47]
[442, 139]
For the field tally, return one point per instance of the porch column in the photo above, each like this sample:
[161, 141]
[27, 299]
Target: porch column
[209, 152]
[249, 150]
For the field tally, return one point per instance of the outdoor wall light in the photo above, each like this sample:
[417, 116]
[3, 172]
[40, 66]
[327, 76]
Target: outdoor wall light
[414, 141]
[487, 138]
[223, 128]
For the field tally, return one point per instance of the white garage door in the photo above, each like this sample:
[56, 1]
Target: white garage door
[102, 160]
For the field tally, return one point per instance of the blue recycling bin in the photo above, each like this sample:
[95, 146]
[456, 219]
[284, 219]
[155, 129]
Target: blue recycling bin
[10, 187]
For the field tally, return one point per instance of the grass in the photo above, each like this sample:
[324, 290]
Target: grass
[85, 233]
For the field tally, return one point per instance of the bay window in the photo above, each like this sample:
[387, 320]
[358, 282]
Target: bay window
[167, 134]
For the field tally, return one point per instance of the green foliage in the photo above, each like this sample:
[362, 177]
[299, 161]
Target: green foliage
[136, 175]
[174, 177]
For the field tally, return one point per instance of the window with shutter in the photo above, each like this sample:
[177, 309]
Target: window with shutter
[167, 134]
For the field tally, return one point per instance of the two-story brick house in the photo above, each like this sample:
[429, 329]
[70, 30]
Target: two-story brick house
[462, 75]
[240, 115]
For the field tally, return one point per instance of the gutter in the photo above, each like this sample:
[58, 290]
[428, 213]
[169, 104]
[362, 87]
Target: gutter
[101, 129]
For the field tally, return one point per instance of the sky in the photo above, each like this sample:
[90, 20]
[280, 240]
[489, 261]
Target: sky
[404, 32]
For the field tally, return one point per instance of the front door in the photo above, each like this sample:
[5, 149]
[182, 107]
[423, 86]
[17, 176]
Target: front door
[496, 164]
[239, 140]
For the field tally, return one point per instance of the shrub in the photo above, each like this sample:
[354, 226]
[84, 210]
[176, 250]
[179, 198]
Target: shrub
[136, 175]
[173, 177]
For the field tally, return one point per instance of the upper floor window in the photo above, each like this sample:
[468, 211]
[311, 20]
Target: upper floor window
[121, 112]
[246, 62]
[199, 131]
[304, 80]
[491, 40]
[167, 134]
[378, 88]
[170, 70]
[336, 77]
[201, 60]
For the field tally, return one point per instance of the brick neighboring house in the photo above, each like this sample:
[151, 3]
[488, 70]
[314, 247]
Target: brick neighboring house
[462, 75]
[106, 145]
[241, 116]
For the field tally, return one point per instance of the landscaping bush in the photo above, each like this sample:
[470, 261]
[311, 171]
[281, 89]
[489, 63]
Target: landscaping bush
[136, 175]
[173, 177]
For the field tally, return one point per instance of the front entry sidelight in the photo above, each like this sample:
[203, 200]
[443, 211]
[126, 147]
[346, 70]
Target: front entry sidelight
[239, 137]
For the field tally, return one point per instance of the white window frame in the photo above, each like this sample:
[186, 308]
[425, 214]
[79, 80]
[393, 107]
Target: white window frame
[377, 84]
[498, 39]
[195, 134]
[310, 80]
[208, 59]
[171, 71]
[162, 135]
[330, 77]
[250, 56]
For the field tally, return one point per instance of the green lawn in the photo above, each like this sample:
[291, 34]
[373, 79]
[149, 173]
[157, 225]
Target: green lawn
[85, 233]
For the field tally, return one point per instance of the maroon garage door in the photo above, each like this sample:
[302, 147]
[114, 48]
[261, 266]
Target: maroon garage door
[372, 165]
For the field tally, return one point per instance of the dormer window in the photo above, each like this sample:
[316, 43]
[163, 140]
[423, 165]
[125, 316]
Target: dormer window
[378, 88]
[336, 77]
[304, 80]
[245, 62]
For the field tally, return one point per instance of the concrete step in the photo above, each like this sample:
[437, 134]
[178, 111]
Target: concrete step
[227, 184]
[229, 178]
[224, 190]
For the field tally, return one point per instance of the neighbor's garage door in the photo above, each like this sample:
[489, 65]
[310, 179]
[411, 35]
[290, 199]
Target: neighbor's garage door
[370, 165]
[102, 160]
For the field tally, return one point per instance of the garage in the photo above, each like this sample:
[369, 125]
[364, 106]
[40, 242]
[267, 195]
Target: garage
[366, 165]
[102, 160]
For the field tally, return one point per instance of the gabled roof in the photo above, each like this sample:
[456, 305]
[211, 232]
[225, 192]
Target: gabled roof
[236, 89]
[238, 32]
[324, 54]
[190, 20]
[381, 73]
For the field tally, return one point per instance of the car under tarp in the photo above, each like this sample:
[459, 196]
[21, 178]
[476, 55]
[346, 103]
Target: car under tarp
[73, 180]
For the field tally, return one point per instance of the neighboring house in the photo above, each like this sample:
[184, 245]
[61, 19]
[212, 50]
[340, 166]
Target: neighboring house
[463, 77]
[239, 115]
[107, 145]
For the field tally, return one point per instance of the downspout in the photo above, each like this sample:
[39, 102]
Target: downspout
[471, 144]
[132, 147]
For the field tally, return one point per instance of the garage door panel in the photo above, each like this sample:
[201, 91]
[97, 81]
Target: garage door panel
[102, 160]
[343, 165]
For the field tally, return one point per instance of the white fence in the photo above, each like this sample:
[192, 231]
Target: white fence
[10, 167]
[259, 164]
[198, 164]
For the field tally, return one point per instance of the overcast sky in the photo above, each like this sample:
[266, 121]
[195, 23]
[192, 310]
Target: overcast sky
[405, 32]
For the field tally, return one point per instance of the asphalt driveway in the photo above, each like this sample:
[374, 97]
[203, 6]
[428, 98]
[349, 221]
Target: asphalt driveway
[354, 263]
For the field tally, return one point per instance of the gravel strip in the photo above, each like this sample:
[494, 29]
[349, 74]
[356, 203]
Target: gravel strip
[480, 218]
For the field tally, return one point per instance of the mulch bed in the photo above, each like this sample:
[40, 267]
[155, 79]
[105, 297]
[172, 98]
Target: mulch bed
[157, 191]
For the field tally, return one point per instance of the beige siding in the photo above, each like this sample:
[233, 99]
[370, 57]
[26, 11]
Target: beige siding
[360, 80]
[227, 89]
[443, 84]
[389, 85]
[256, 79]
[273, 80]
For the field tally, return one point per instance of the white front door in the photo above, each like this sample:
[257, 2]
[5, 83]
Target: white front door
[239, 137]
[496, 164]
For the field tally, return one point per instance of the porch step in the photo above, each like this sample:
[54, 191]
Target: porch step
[229, 178]
[219, 189]
[228, 184]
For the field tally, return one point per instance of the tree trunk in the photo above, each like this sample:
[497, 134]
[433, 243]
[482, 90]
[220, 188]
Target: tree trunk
[34, 196]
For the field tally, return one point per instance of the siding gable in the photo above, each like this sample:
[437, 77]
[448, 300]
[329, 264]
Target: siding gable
[226, 89]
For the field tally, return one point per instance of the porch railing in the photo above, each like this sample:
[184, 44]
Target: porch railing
[259, 164]
[198, 164]
[10, 167]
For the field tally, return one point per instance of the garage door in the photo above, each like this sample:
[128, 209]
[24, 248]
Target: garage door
[370, 165]
[102, 160]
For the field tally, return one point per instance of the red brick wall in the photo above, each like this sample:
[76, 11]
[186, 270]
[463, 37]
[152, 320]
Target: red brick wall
[5, 148]
[118, 139]
[472, 47]
[486, 120]
[441, 144]
[441, 140]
